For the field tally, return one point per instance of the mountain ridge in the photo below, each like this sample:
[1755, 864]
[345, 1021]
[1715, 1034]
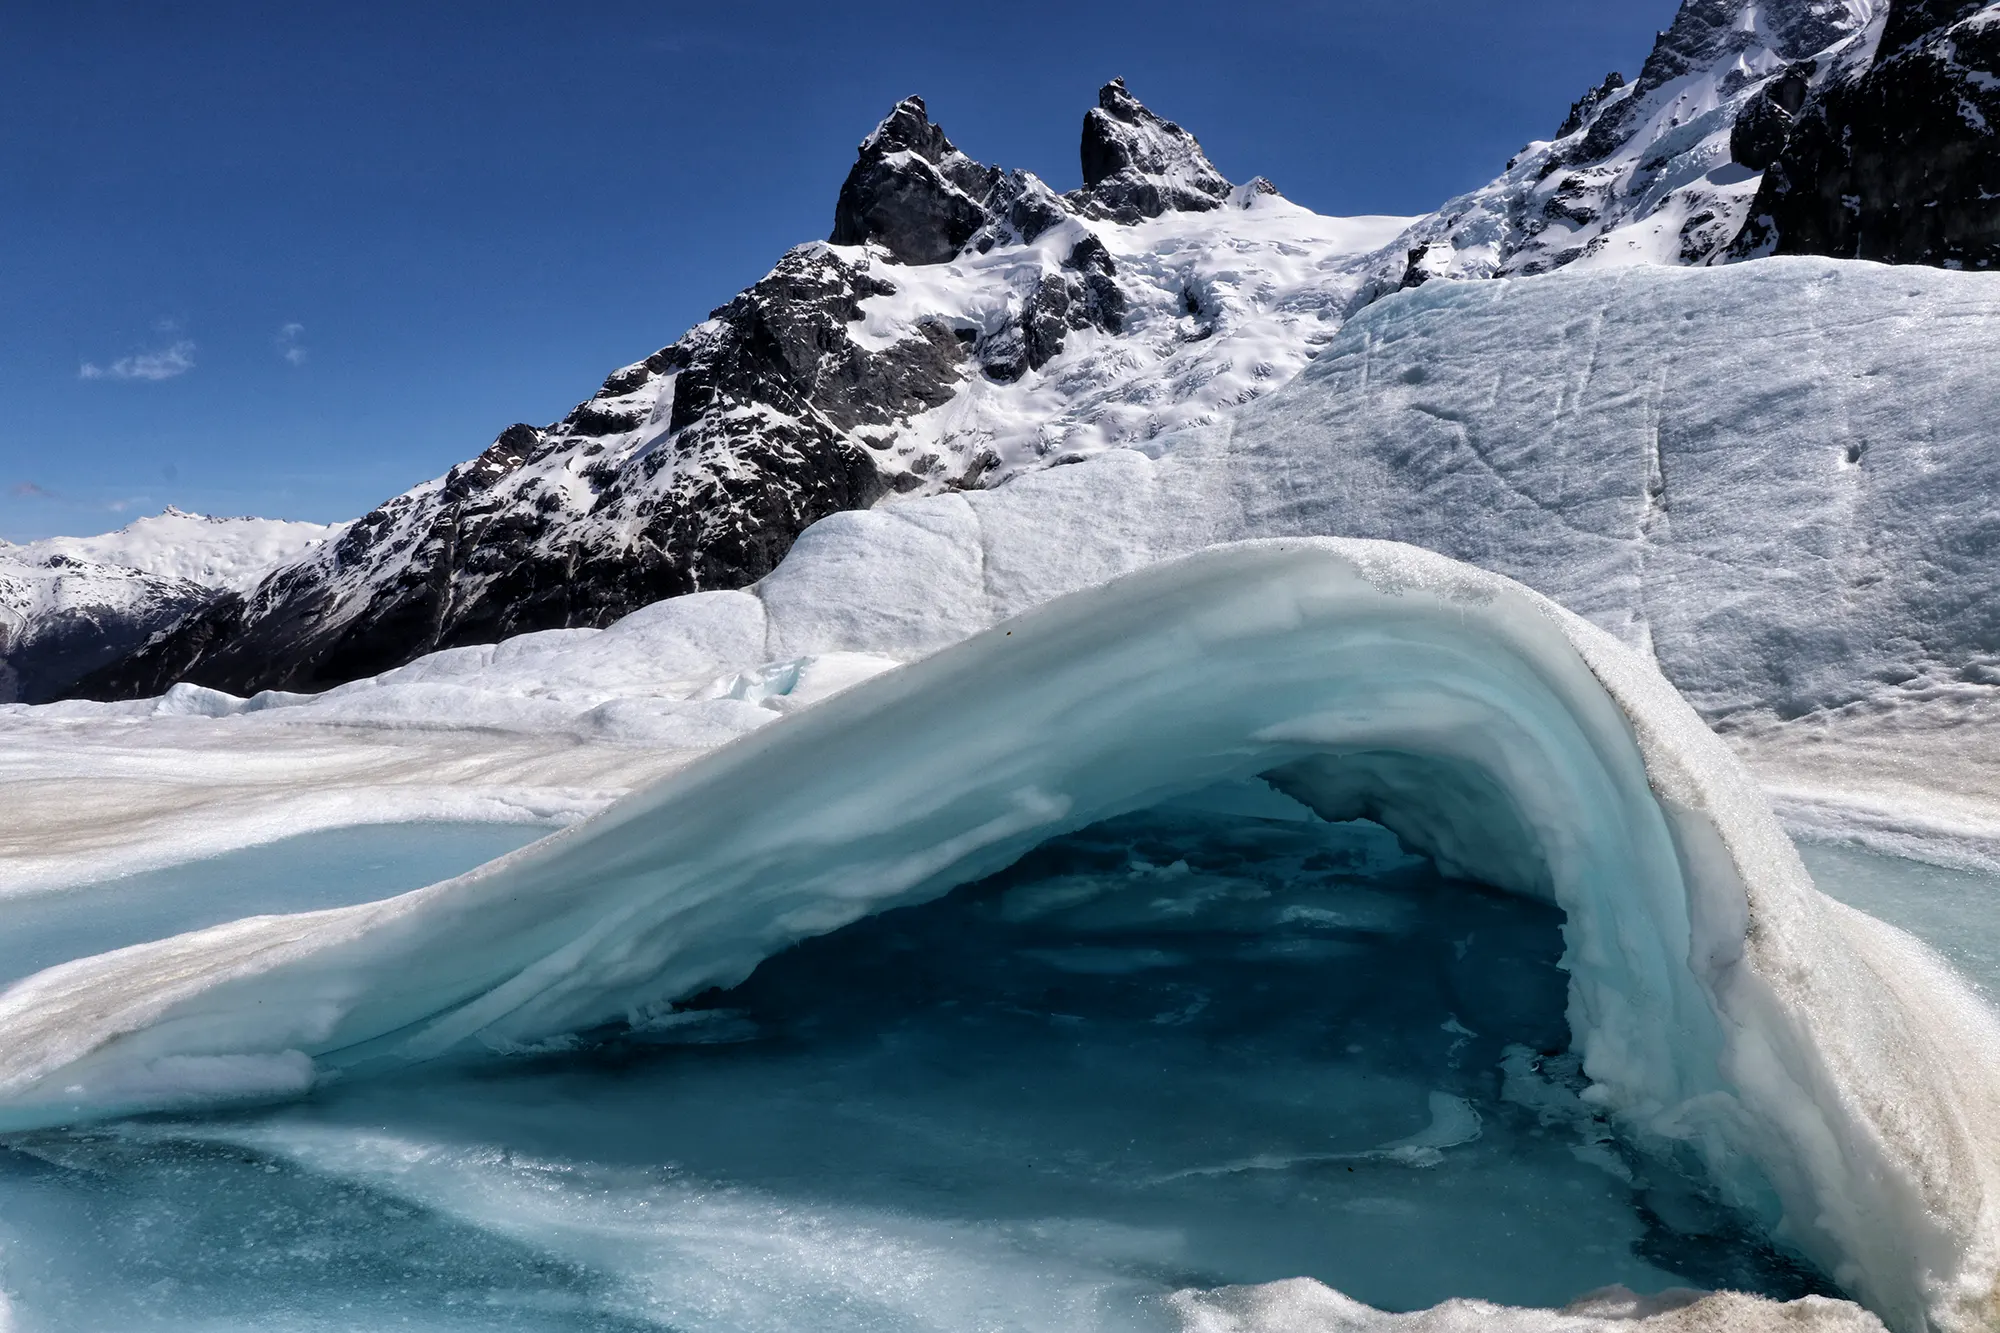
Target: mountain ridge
[965, 323]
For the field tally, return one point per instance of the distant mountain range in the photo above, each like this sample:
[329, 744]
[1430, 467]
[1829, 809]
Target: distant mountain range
[72, 605]
[965, 324]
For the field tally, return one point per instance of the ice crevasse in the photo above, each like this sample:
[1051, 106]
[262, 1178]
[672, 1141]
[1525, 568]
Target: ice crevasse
[1826, 1071]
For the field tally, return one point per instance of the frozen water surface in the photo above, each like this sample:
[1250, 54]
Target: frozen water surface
[1956, 912]
[333, 868]
[1189, 1047]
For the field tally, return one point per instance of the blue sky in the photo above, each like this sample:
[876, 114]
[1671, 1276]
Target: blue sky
[291, 259]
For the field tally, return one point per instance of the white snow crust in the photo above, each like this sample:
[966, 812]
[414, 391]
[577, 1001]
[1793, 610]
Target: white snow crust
[231, 553]
[1829, 1073]
[1305, 1306]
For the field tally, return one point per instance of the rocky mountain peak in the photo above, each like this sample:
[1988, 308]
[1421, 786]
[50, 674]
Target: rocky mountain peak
[1137, 165]
[912, 192]
[908, 129]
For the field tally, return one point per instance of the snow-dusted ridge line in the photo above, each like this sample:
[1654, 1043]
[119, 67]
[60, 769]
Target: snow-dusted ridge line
[69, 605]
[1830, 1074]
[215, 552]
[963, 325]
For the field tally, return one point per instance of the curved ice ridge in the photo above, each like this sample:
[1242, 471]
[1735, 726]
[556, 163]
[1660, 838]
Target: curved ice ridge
[1828, 1071]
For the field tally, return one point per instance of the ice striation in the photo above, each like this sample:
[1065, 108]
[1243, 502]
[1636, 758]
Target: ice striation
[1830, 1076]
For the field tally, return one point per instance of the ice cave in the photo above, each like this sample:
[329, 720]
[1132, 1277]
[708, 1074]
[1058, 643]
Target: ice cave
[1301, 907]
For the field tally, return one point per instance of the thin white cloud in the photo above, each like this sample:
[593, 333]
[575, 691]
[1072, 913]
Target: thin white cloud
[289, 345]
[161, 364]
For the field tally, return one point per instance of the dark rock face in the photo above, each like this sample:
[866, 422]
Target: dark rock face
[1136, 165]
[1898, 161]
[1425, 262]
[1765, 122]
[44, 660]
[541, 532]
[1704, 31]
[1085, 295]
[912, 192]
[1585, 107]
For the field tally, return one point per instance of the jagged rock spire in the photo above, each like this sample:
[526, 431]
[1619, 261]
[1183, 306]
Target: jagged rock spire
[1136, 165]
[911, 191]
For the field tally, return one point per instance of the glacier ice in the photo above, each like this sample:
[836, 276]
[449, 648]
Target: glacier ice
[1210, 1043]
[1828, 1073]
[1773, 476]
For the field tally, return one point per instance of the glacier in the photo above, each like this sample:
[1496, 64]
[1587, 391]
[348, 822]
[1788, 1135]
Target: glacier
[1827, 1073]
[1216, 1042]
[1770, 477]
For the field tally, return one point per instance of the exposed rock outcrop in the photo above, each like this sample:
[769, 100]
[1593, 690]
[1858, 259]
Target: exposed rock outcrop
[1897, 159]
[912, 192]
[1136, 165]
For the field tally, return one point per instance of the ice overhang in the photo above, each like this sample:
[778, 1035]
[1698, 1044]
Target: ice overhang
[1824, 1070]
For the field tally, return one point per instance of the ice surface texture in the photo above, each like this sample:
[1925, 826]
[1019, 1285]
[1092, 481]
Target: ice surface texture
[1776, 477]
[1828, 1073]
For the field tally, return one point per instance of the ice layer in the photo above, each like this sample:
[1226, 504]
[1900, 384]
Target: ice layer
[1826, 1071]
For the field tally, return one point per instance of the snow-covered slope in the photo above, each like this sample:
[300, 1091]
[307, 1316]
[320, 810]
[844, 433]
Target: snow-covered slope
[966, 324]
[1654, 171]
[69, 605]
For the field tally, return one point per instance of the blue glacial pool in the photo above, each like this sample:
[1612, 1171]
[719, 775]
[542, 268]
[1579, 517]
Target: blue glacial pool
[1179, 1049]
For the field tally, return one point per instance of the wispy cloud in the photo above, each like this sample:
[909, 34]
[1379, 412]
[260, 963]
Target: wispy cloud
[289, 345]
[30, 490]
[163, 363]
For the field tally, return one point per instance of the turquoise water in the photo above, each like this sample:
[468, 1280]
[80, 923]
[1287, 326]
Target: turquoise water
[1956, 912]
[1182, 1049]
[335, 868]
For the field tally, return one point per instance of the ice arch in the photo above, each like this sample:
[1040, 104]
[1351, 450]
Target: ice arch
[1824, 1068]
